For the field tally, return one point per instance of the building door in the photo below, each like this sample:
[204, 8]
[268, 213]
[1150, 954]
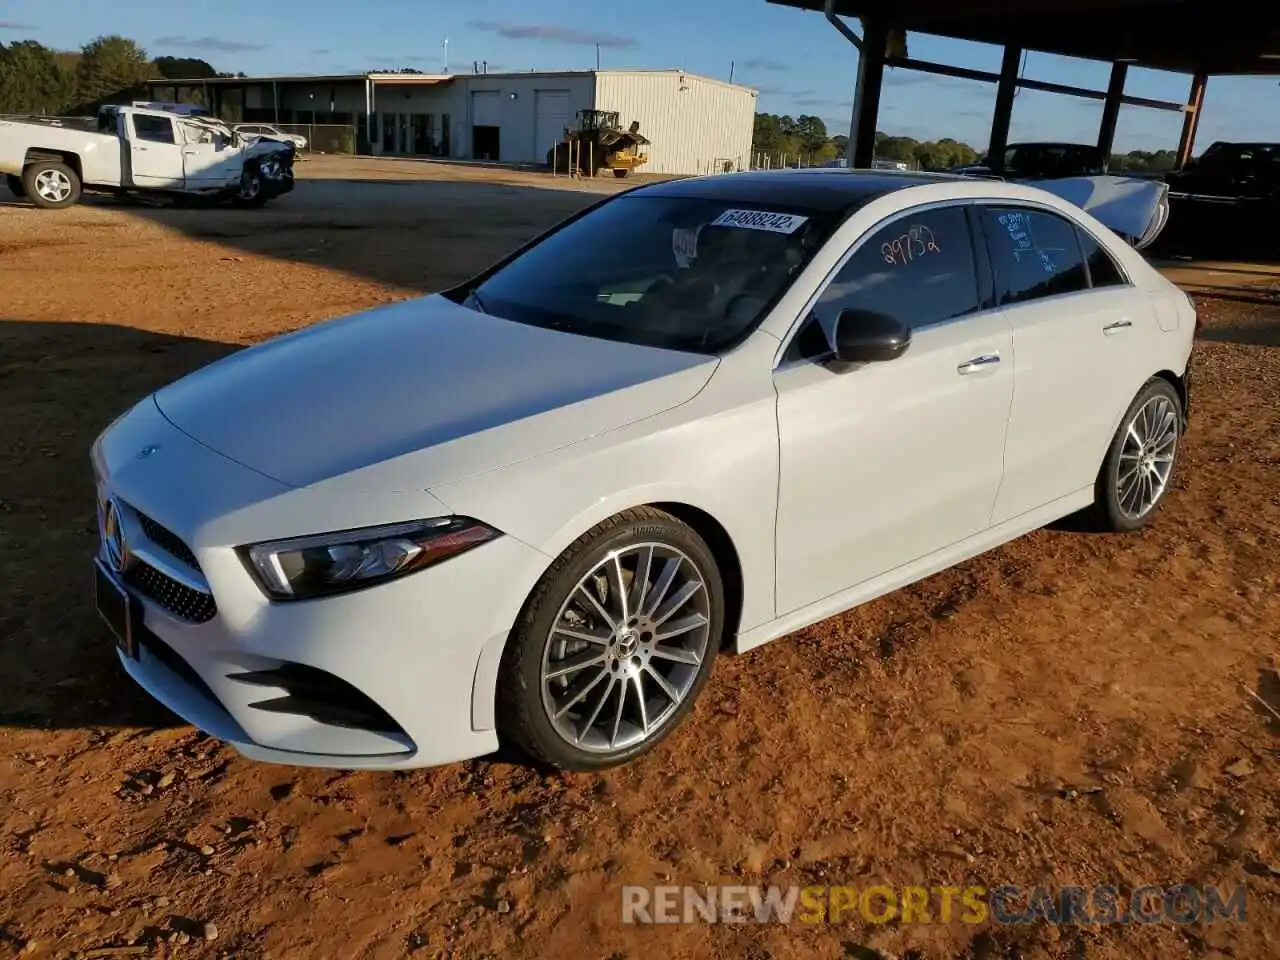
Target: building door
[486, 123]
[551, 116]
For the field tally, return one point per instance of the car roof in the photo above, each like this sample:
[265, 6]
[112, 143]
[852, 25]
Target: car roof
[825, 189]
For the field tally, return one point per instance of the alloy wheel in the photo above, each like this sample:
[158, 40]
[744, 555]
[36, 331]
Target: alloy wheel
[53, 185]
[626, 648]
[1146, 457]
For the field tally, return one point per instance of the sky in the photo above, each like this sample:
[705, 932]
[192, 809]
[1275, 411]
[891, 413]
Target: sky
[794, 58]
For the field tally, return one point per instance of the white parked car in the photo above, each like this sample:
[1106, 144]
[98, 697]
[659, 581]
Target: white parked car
[256, 130]
[534, 508]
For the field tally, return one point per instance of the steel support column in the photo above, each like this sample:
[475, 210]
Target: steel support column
[1111, 111]
[1006, 87]
[1191, 119]
[866, 95]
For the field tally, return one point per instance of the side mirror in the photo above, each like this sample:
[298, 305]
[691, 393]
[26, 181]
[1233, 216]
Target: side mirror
[863, 336]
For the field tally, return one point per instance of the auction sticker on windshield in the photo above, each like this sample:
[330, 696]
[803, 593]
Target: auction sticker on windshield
[760, 220]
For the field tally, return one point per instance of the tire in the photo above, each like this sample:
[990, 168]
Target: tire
[51, 184]
[599, 697]
[621, 173]
[15, 186]
[251, 192]
[1146, 441]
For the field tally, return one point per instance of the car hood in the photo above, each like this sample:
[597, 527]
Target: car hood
[473, 392]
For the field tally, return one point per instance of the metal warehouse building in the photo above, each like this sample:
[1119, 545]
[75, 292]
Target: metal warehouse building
[694, 122]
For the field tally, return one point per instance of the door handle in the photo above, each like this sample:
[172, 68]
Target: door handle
[977, 363]
[1117, 326]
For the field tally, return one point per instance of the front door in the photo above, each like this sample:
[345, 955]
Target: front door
[155, 152]
[209, 159]
[888, 462]
[1079, 333]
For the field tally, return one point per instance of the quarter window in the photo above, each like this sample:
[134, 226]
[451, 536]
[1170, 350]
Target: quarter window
[918, 269]
[1034, 254]
[1103, 270]
[154, 129]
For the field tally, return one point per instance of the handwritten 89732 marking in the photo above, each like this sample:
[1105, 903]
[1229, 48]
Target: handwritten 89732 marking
[916, 242]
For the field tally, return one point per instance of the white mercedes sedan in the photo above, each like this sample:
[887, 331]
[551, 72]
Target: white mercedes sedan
[693, 418]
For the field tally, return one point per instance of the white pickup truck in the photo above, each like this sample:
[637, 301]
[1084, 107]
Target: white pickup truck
[133, 150]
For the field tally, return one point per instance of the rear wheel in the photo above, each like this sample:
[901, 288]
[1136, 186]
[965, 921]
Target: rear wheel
[15, 186]
[614, 645]
[621, 172]
[1139, 465]
[51, 184]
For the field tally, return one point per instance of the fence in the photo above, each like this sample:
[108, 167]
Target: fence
[340, 138]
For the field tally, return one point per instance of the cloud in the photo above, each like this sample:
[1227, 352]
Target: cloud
[321, 51]
[15, 25]
[763, 63]
[553, 33]
[211, 44]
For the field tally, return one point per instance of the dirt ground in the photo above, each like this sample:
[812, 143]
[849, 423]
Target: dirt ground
[1070, 709]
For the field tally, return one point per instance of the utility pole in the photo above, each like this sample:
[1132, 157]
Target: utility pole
[597, 54]
[731, 71]
[446, 54]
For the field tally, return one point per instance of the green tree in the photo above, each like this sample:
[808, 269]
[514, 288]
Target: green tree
[110, 67]
[184, 68]
[31, 80]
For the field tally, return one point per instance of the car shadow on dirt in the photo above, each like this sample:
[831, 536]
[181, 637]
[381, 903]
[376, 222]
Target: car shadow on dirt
[63, 383]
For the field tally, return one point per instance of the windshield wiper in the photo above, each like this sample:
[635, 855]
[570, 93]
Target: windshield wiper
[475, 298]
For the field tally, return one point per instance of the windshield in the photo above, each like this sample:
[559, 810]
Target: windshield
[678, 272]
[1242, 153]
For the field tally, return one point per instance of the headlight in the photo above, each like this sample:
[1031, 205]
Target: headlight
[304, 567]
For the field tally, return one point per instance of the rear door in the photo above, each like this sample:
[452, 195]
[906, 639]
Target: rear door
[155, 152]
[1080, 344]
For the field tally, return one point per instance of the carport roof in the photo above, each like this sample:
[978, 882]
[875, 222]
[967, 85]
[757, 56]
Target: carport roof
[1190, 36]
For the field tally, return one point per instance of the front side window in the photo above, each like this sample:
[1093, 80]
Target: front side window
[153, 129]
[1034, 254]
[684, 273]
[918, 269]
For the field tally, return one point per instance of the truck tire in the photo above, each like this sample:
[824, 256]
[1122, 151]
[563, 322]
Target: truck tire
[621, 172]
[251, 192]
[51, 184]
[15, 186]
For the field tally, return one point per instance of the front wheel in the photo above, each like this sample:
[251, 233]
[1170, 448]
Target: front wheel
[614, 644]
[50, 184]
[621, 172]
[1138, 469]
[251, 193]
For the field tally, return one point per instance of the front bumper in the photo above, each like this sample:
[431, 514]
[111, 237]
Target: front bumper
[397, 675]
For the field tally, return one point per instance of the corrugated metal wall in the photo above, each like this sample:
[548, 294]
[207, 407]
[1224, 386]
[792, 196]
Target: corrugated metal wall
[691, 120]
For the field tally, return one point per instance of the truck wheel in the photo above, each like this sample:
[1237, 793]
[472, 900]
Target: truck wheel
[621, 172]
[15, 186]
[251, 193]
[51, 184]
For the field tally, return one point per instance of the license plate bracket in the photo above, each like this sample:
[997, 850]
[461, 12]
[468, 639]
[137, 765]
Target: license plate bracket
[116, 608]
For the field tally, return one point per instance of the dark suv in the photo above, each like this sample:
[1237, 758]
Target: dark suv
[1040, 161]
[1241, 175]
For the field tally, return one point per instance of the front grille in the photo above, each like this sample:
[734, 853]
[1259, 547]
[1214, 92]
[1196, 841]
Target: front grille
[177, 598]
[167, 540]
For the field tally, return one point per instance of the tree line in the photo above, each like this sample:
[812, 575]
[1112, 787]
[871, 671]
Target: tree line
[35, 79]
[805, 139]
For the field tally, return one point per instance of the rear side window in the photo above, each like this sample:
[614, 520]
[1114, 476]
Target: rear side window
[1103, 270]
[154, 129]
[1034, 254]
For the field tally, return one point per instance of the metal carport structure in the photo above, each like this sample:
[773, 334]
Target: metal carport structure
[1197, 37]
